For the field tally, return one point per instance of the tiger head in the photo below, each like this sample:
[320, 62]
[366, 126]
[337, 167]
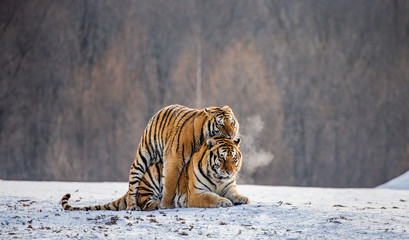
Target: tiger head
[221, 122]
[224, 158]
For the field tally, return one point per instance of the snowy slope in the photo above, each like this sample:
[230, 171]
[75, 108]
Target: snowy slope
[401, 182]
[30, 210]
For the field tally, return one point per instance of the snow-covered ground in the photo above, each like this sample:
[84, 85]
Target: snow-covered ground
[401, 182]
[31, 210]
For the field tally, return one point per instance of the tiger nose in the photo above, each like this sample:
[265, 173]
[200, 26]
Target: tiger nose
[230, 134]
[229, 172]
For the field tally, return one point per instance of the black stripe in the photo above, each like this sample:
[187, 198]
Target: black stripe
[160, 158]
[145, 194]
[147, 137]
[201, 137]
[211, 158]
[115, 205]
[133, 165]
[133, 182]
[227, 187]
[144, 204]
[193, 131]
[140, 169]
[137, 168]
[201, 171]
[165, 116]
[155, 130]
[146, 189]
[147, 147]
[198, 188]
[185, 113]
[162, 125]
[183, 153]
[217, 138]
[181, 127]
[144, 160]
[178, 200]
[152, 180]
[159, 130]
[201, 182]
[213, 129]
[209, 130]
[137, 177]
[174, 116]
[145, 181]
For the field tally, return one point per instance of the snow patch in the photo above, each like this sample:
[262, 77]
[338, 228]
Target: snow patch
[401, 182]
[31, 210]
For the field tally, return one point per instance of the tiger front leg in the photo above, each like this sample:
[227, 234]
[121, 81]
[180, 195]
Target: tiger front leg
[170, 179]
[208, 200]
[235, 197]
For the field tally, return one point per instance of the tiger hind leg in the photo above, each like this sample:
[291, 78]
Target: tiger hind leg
[150, 205]
[150, 188]
[138, 169]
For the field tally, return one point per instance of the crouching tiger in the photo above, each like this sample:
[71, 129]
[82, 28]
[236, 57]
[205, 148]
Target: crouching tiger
[207, 180]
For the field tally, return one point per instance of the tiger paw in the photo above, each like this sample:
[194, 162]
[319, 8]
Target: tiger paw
[164, 205]
[240, 199]
[132, 208]
[151, 205]
[224, 202]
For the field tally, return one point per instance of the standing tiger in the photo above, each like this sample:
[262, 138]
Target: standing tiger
[170, 138]
[207, 180]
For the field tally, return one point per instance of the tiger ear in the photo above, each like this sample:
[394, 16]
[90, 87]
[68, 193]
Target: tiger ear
[207, 112]
[227, 107]
[237, 142]
[210, 143]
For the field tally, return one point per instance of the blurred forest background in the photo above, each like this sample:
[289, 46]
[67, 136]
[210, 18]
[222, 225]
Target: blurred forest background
[320, 88]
